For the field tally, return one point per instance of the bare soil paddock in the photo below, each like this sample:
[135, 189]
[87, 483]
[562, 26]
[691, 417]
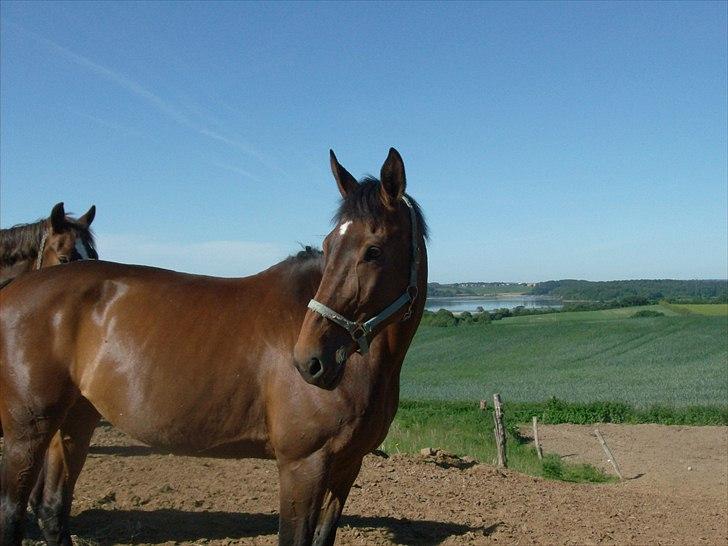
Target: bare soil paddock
[128, 494]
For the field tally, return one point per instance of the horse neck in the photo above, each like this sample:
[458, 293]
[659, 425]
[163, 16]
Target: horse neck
[9, 272]
[388, 352]
[291, 284]
[13, 265]
[21, 244]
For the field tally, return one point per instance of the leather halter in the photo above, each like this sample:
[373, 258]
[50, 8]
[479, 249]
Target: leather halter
[361, 332]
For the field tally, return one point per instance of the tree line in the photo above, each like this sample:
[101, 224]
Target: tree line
[619, 292]
[652, 290]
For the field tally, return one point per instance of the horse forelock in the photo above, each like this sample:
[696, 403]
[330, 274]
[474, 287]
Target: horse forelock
[365, 203]
[86, 236]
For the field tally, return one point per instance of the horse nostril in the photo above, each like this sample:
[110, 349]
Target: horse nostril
[314, 367]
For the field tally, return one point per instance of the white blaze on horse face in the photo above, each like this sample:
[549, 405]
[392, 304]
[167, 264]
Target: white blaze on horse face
[81, 249]
[343, 227]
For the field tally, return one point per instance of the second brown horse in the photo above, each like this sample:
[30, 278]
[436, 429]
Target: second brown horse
[51, 241]
[206, 366]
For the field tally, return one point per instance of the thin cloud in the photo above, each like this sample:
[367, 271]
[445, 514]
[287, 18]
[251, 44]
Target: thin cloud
[145, 94]
[241, 146]
[122, 81]
[225, 258]
[236, 170]
[110, 125]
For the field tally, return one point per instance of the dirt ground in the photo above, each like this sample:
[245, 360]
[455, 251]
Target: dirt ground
[130, 495]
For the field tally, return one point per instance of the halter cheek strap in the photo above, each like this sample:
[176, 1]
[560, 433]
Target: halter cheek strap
[362, 332]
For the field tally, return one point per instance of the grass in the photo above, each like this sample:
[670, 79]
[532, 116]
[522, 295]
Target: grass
[555, 469]
[602, 314]
[592, 356]
[707, 309]
[463, 429]
[557, 411]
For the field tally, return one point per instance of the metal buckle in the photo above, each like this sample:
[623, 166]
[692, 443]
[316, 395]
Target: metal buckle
[358, 332]
[412, 292]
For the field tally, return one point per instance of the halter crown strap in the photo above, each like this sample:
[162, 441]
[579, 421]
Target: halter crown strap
[39, 258]
[360, 332]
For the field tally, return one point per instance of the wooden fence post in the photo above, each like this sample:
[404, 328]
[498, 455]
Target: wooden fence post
[610, 457]
[500, 431]
[535, 439]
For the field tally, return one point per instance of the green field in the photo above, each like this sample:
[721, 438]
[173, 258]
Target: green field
[463, 429]
[707, 309]
[578, 367]
[675, 360]
[603, 314]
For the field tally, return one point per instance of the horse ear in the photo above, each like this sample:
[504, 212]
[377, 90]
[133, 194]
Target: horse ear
[393, 179]
[58, 218]
[346, 182]
[87, 218]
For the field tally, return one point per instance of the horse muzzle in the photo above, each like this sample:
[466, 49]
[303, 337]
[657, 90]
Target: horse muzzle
[321, 370]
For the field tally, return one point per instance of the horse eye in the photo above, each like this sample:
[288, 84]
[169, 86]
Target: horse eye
[372, 253]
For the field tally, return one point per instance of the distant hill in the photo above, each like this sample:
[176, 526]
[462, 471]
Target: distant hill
[437, 290]
[650, 289]
[595, 291]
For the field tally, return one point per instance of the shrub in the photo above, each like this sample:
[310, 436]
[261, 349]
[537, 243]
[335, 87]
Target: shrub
[647, 313]
[482, 318]
[466, 317]
[444, 318]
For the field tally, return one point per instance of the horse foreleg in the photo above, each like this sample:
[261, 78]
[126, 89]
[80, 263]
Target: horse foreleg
[302, 486]
[36, 495]
[64, 460]
[333, 504]
[25, 442]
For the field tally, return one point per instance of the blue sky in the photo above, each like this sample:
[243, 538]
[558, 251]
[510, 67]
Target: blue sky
[543, 140]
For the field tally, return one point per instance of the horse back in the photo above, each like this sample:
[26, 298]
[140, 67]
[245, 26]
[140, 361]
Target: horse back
[156, 352]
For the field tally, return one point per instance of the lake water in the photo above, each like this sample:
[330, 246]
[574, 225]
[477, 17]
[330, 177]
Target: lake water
[471, 303]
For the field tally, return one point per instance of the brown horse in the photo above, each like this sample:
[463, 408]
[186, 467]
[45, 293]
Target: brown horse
[54, 240]
[206, 366]
[51, 241]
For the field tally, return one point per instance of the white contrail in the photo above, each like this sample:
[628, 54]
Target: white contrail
[236, 170]
[140, 91]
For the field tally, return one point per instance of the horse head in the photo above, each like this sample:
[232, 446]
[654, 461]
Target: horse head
[370, 271]
[67, 239]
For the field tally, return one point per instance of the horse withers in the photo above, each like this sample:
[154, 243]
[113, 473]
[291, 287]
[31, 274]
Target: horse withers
[299, 363]
[51, 241]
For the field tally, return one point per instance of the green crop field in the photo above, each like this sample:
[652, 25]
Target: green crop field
[708, 309]
[579, 367]
[674, 360]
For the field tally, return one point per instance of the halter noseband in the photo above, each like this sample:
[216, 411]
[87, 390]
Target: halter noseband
[360, 332]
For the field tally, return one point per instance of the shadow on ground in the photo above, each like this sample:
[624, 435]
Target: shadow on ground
[106, 527]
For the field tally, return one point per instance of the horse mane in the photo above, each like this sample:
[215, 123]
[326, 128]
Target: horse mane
[364, 203]
[307, 256]
[22, 241]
